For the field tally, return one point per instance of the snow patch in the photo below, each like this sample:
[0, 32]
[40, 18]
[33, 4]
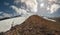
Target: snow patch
[49, 19]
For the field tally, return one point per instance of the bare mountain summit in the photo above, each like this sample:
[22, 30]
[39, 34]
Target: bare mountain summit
[35, 25]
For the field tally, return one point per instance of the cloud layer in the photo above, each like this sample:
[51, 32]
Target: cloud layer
[41, 7]
[29, 5]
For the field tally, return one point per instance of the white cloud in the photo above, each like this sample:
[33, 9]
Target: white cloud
[42, 5]
[19, 10]
[1, 12]
[6, 15]
[31, 4]
[54, 8]
[3, 15]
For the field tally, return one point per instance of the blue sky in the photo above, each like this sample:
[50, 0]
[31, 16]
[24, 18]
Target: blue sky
[7, 11]
[4, 7]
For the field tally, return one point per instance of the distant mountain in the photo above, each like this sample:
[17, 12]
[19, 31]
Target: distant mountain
[34, 25]
[57, 19]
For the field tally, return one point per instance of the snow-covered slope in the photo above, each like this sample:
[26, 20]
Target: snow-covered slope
[6, 24]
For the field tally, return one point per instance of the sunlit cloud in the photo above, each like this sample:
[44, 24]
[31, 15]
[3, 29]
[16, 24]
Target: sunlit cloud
[31, 5]
[48, 8]
[42, 5]
[54, 8]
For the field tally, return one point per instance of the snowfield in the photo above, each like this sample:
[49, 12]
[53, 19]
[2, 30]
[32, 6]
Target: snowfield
[6, 24]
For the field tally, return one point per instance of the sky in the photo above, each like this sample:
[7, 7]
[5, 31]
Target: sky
[10, 8]
[50, 8]
[5, 10]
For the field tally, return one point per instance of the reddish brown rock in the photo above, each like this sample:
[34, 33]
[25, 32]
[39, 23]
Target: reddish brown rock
[35, 25]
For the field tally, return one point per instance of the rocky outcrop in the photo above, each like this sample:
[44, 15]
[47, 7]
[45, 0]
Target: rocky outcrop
[35, 25]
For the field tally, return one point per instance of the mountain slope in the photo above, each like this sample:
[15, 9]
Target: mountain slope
[35, 25]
